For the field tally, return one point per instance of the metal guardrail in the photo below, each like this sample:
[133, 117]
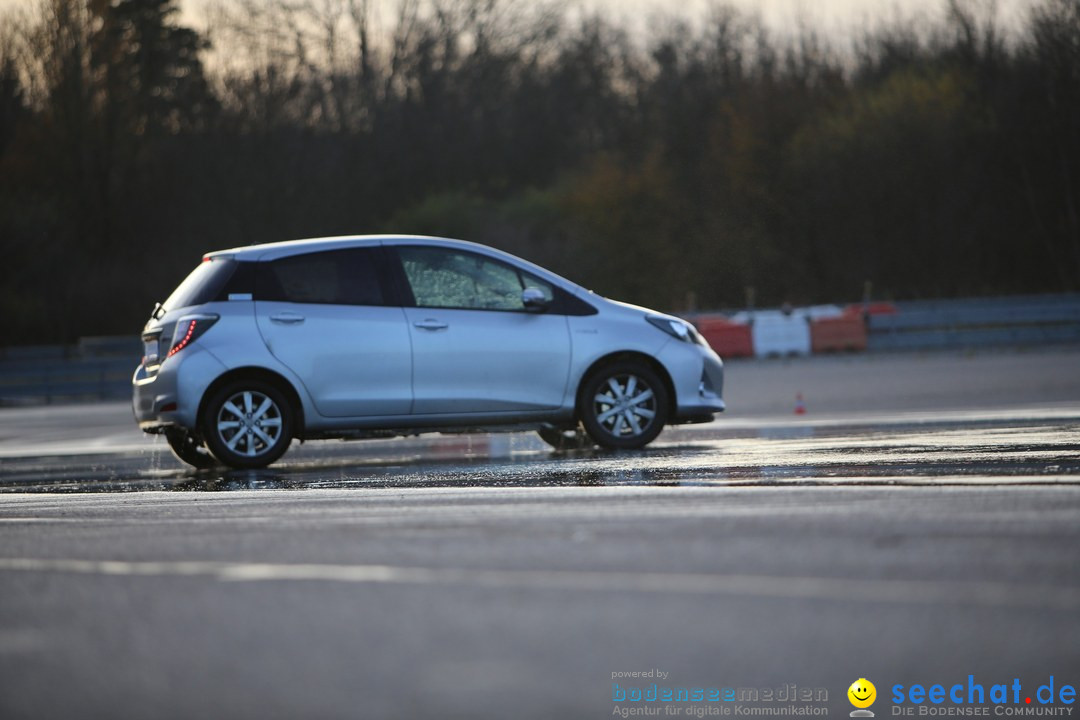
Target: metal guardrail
[100, 368]
[94, 369]
[978, 322]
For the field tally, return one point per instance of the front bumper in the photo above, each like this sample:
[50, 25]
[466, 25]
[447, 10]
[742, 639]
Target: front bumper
[697, 374]
[708, 400]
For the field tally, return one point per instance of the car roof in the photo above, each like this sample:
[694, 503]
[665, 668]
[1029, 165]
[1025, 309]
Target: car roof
[273, 250]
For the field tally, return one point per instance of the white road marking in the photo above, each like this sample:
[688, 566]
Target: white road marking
[968, 593]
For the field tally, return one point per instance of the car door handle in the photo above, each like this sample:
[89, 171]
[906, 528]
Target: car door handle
[430, 324]
[287, 318]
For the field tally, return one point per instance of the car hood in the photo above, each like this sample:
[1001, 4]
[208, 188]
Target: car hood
[640, 311]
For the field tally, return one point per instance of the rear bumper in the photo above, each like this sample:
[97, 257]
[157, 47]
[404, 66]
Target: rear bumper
[170, 397]
[146, 403]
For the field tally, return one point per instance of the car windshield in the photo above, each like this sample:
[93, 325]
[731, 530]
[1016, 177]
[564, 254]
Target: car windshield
[202, 285]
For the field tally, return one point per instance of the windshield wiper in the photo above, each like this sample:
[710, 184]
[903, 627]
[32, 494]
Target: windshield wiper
[157, 312]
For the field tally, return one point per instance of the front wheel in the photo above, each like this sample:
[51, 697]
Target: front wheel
[248, 424]
[624, 406]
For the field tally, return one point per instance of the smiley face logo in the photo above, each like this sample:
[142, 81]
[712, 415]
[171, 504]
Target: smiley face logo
[862, 693]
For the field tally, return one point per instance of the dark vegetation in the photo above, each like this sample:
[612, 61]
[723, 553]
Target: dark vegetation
[700, 165]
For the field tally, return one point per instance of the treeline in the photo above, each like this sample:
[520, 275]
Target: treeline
[706, 164]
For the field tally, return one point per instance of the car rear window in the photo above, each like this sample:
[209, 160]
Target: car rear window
[204, 284]
[334, 277]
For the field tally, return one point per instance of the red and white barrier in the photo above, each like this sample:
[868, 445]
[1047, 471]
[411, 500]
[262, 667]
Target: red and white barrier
[798, 331]
[728, 338]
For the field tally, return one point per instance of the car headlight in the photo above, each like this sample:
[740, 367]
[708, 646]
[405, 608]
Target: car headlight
[675, 328]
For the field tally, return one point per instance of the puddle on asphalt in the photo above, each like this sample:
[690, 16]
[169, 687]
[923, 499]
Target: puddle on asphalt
[1031, 455]
[909, 453]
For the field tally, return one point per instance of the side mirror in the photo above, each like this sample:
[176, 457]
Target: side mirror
[534, 299]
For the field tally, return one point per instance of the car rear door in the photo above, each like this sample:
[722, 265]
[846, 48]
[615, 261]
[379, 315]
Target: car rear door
[325, 315]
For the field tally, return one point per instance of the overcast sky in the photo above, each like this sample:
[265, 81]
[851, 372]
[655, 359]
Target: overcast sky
[832, 16]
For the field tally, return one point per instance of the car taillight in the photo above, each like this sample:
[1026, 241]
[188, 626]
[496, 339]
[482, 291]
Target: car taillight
[188, 330]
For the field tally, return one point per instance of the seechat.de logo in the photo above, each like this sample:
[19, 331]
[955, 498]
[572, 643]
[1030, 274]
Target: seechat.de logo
[862, 695]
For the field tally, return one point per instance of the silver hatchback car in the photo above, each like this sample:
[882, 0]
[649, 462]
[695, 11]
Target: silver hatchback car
[375, 336]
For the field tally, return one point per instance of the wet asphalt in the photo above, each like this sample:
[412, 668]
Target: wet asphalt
[1028, 445]
[486, 576]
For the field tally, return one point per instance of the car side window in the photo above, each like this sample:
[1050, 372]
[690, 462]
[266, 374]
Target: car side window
[336, 277]
[445, 278]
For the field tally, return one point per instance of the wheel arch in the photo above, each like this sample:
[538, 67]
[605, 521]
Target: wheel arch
[628, 356]
[265, 375]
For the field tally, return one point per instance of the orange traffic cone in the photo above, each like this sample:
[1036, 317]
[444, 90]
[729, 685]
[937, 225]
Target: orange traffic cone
[800, 405]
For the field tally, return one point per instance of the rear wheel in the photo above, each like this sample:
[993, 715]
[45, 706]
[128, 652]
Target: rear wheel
[624, 405]
[189, 448]
[565, 438]
[248, 424]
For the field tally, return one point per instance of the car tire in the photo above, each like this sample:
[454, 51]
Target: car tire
[187, 447]
[624, 405]
[564, 439]
[247, 424]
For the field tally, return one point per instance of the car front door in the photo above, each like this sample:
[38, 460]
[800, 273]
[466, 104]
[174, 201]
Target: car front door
[325, 316]
[476, 348]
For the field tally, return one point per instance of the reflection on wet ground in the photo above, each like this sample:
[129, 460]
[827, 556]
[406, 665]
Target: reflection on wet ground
[918, 453]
